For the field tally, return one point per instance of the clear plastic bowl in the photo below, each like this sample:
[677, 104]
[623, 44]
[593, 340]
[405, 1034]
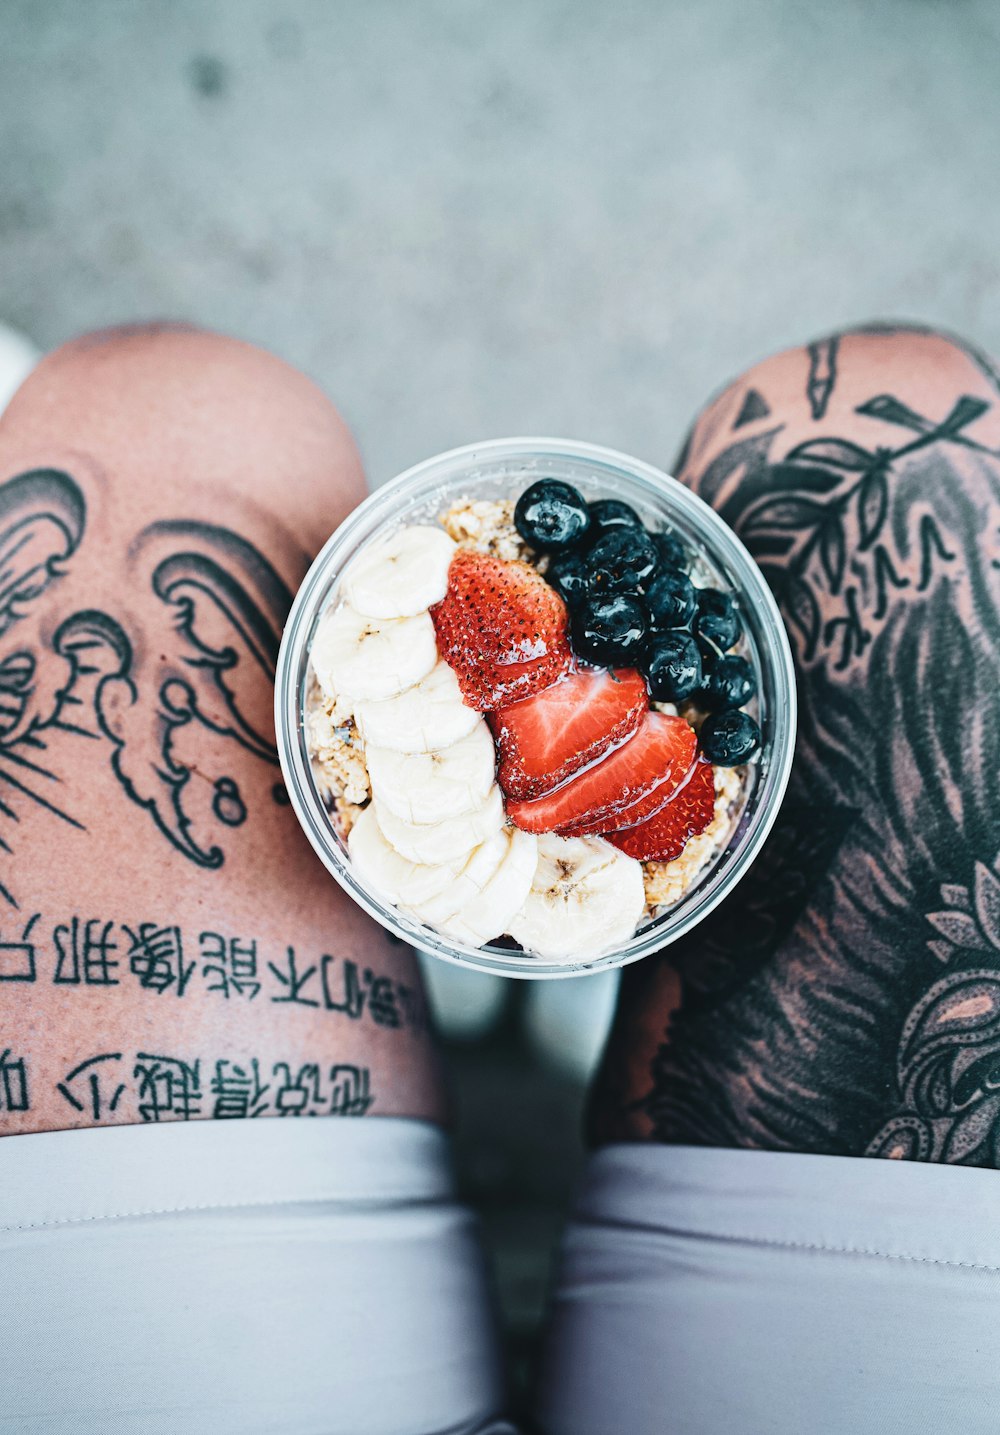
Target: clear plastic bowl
[502, 469]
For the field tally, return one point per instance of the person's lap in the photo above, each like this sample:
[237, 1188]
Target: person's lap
[181, 985]
[754, 1270]
[843, 1001]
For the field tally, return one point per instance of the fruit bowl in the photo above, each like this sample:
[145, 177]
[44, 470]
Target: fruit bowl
[425, 713]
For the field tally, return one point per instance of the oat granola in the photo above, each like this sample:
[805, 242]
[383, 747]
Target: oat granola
[486, 525]
[666, 882]
[338, 756]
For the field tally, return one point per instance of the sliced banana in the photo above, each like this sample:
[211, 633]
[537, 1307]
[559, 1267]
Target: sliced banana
[432, 786]
[489, 913]
[434, 842]
[403, 574]
[586, 897]
[425, 718]
[401, 882]
[485, 861]
[372, 658]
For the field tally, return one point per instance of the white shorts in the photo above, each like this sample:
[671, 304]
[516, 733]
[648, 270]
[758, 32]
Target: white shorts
[705, 1292]
[236, 1277]
[318, 1278]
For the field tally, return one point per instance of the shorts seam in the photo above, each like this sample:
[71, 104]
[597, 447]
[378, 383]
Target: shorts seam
[814, 1246]
[349, 1203]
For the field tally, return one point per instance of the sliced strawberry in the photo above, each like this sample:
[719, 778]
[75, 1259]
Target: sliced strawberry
[547, 738]
[502, 628]
[647, 805]
[661, 751]
[664, 836]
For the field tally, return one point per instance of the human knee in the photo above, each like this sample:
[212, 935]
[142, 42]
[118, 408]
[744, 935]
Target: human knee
[210, 407]
[883, 385]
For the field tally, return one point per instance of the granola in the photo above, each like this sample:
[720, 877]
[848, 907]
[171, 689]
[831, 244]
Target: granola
[667, 882]
[487, 526]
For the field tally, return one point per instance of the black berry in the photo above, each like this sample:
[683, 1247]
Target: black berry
[672, 600]
[608, 513]
[610, 630]
[569, 574]
[671, 550]
[727, 739]
[730, 684]
[621, 561]
[551, 515]
[672, 667]
[717, 624]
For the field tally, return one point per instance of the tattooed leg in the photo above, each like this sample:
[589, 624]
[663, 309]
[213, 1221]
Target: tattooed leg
[170, 947]
[847, 998]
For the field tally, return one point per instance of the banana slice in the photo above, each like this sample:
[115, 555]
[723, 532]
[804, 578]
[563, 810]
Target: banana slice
[432, 786]
[586, 897]
[434, 842]
[401, 575]
[401, 882]
[372, 658]
[426, 718]
[485, 861]
[489, 913]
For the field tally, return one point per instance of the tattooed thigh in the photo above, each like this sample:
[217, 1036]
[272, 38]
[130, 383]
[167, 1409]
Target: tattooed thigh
[847, 998]
[169, 947]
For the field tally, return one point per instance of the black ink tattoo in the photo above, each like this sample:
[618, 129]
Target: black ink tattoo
[14, 1095]
[94, 1087]
[231, 963]
[228, 804]
[17, 958]
[167, 1087]
[162, 959]
[298, 1090]
[238, 1090]
[156, 957]
[351, 1090]
[199, 627]
[847, 997]
[753, 407]
[85, 954]
[111, 1086]
[822, 375]
[293, 982]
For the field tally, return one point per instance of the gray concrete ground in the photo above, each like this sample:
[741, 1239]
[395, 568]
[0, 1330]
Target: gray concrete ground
[469, 219]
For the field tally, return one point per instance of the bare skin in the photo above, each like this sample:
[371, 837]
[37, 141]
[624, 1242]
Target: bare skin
[170, 947]
[847, 998]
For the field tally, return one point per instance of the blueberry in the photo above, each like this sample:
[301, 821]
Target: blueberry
[608, 513]
[569, 575]
[621, 561]
[672, 667]
[730, 684]
[551, 515]
[717, 624]
[727, 739]
[672, 600]
[610, 630]
[671, 550]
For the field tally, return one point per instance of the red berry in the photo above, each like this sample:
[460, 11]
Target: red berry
[659, 753]
[664, 836]
[545, 739]
[502, 628]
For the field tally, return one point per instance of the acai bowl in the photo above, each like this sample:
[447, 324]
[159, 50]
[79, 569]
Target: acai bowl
[535, 707]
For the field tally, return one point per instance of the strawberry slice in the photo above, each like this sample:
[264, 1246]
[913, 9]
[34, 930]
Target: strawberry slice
[630, 816]
[502, 629]
[547, 738]
[660, 752]
[664, 836]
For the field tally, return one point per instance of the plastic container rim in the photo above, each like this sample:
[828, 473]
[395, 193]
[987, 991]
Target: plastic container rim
[719, 539]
